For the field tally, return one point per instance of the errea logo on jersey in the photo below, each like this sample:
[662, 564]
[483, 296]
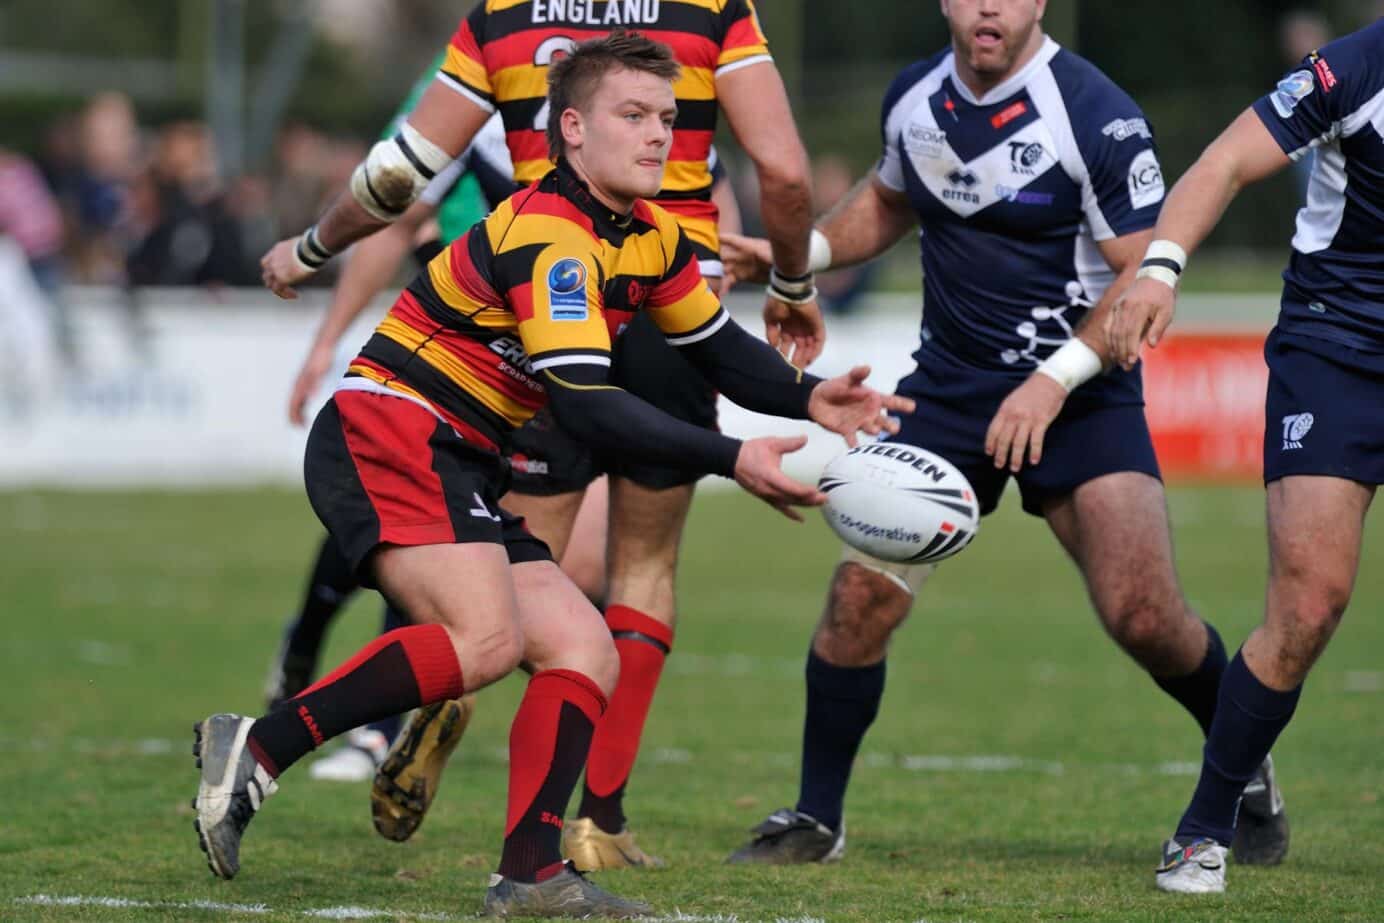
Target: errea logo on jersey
[1295, 427]
[567, 290]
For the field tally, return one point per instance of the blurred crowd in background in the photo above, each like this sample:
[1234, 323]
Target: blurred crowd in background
[109, 199]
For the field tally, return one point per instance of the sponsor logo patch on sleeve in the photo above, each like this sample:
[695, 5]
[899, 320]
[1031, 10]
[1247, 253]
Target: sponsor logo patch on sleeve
[567, 290]
[1291, 90]
[1145, 180]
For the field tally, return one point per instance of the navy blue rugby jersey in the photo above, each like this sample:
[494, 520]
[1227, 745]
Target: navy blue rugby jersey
[1334, 103]
[1013, 191]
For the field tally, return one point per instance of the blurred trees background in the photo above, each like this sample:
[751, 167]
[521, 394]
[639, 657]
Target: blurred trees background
[343, 65]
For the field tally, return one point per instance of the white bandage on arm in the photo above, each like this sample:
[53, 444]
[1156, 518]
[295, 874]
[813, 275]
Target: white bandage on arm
[1164, 261]
[908, 577]
[395, 172]
[1072, 364]
[818, 252]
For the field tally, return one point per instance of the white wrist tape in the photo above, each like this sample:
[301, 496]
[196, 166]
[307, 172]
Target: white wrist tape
[395, 172]
[1072, 364]
[310, 253]
[792, 289]
[818, 252]
[1164, 261]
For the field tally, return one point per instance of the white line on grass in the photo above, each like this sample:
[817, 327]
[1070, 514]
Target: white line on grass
[966, 763]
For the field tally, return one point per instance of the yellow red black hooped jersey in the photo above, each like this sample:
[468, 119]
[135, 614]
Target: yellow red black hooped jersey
[500, 53]
[549, 278]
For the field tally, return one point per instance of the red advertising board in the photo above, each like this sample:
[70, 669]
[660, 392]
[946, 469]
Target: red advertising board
[1204, 394]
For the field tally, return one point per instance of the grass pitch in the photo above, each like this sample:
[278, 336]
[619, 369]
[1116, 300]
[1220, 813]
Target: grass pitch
[1021, 769]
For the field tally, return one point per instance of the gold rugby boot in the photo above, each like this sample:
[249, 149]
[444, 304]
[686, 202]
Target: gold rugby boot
[591, 849]
[406, 782]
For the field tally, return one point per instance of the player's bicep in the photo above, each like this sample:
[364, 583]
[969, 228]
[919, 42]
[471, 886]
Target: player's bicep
[1249, 149]
[561, 321]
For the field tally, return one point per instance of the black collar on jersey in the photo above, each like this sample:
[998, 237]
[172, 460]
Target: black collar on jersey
[571, 187]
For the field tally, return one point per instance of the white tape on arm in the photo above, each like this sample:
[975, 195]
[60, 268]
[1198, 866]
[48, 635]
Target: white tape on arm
[395, 172]
[1072, 364]
[818, 252]
[1164, 261]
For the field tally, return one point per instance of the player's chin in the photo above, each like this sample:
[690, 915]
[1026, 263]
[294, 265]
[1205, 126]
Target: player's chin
[647, 176]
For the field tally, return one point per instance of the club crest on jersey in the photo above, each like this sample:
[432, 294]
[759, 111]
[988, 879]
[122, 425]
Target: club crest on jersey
[1291, 90]
[1295, 427]
[1024, 157]
[567, 290]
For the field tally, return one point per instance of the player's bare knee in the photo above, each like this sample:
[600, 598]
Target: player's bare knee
[500, 646]
[1148, 628]
[863, 609]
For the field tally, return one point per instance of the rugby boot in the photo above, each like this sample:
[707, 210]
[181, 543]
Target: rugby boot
[789, 837]
[1261, 828]
[566, 894]
[591, 849]
[406, 782]
[1194, 867]
[233, 787]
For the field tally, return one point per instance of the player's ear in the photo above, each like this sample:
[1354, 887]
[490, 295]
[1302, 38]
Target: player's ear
[1042, 6]
[573, 129]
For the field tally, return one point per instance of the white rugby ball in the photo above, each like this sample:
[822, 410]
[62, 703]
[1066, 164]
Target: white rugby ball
[899, 503]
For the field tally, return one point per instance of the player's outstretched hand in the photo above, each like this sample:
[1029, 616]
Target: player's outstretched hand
[1141, 314]
[758, 469]
[1023, 420]
[846, 405]
[280, 270]
[744, 259]
[315, 368]
[797, 331]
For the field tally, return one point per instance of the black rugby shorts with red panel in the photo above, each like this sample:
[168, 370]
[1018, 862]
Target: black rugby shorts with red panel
[383, 470]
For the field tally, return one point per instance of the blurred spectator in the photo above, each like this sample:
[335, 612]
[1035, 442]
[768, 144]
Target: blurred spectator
[109, 147]
[840, 290]
[191, 237]
[29, 215]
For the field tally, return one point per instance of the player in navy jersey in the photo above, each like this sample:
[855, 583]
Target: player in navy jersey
[1323, 427]
[1035, 182]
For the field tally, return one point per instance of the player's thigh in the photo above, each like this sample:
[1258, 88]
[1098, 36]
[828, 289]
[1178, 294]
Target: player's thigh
[1116, 529]
[584, 558]
[1316, 524]
[561, 629]
[548, 516]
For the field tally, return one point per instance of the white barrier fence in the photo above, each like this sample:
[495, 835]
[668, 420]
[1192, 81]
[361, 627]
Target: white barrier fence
[180, 387]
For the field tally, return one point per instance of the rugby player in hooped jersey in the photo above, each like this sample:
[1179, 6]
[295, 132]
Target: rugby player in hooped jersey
[495, 62]
[1323, 427]
[404, 468]
[1035, 182]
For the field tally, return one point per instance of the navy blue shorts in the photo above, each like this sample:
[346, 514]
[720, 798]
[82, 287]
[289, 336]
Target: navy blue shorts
[1324, 414]
[1101, 430]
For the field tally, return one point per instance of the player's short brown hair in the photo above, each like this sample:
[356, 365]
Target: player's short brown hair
[572, 80]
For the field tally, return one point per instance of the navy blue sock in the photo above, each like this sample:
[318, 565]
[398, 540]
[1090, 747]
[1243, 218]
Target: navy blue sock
[1249, 718]
[841, 704]
[393, 618]
[1197, 691]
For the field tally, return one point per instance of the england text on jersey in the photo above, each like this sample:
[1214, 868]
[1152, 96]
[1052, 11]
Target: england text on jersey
[500, 53]
[548, 279]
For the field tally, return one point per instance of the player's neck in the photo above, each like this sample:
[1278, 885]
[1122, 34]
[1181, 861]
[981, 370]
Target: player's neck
[979, 84]
[616, 203]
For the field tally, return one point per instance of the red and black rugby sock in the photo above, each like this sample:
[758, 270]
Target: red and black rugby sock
[643, 643]
[399, 670]
[548, 743]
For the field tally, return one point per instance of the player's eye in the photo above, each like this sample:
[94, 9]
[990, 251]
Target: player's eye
[633, 116]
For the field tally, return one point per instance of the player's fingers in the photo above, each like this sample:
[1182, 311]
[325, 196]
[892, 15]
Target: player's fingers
[788, 511]
[1017, 446]
[992, 433]
[890, 425]
[1035, 443]
[899, 404]
[1159, 325]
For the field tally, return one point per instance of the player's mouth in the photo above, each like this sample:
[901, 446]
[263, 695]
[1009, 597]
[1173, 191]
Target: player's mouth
[987, 37]
[651, 162]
